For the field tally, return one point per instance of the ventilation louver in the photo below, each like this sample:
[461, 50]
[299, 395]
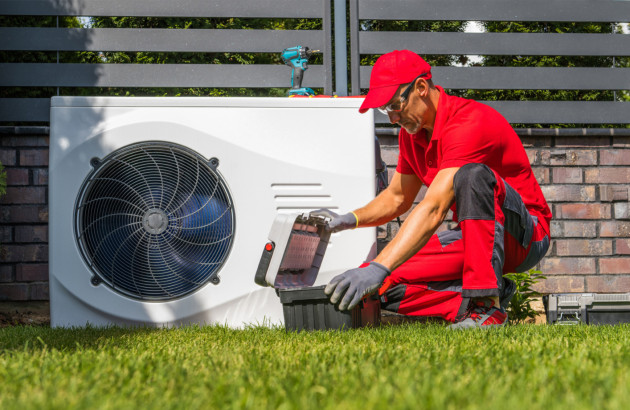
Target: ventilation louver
[154, 221]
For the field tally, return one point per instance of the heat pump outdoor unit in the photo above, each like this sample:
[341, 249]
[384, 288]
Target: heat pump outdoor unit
[160, 207]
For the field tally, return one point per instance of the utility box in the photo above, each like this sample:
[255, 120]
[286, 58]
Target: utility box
[588, 308]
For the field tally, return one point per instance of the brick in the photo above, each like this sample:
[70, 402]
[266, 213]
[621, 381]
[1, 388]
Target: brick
[582, 211]
[609, 193]
[31, 233]
[560, 284]
[622, 210]
[566, 193]
[533, 156]
[421, 194]
[583, 247]
[23, 213]
[608, 284]
[621, 141]
[543, 157]
[614, 157]
[8, 157]
[573, 229]
[614, 265]
[24, 195]
[563, 157]
[25, 141]
[567, 175]
[536, 141]
[13, 292]
[17, 176]
[40, 176]
[390, 155]
[582, 141]
[39, 291]
[37, 272]
[567, 266]
[6, 234]
[390, 174]
[388, 140]
[613, 175]
[381, 232]
[622, 246]
[542, 175]
[6, 273]
[611, 229]
[25, 253]
[34, 157]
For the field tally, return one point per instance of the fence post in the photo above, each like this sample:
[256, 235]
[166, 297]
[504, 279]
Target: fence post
[341, 53]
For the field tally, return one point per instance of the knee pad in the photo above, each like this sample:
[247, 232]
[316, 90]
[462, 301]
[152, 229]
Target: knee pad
[474, 192]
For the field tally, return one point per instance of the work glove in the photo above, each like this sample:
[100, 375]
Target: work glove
[338, 222]
[351, 286]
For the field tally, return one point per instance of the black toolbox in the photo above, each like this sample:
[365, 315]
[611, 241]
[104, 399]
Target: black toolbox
[290, 263]
[589, 308]
[310, 309]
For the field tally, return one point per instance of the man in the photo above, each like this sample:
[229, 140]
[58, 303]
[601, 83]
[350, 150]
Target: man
[473, 163]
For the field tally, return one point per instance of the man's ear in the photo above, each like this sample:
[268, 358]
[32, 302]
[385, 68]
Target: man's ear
[422, 87]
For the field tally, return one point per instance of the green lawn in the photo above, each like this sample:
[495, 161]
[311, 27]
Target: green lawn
[408, 366]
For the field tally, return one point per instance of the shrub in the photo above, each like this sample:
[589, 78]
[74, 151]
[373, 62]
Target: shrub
[520, 308]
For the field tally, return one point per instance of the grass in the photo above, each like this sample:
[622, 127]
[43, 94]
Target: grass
[392, 367]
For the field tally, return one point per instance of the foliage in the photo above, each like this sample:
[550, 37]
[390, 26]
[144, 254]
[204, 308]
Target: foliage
[549, 61]
[32, 56]
[197, 58]
[520, 308]
[108, 57]
[402, 25]
[392, 367]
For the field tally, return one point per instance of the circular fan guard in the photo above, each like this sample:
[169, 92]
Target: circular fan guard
[154, 221]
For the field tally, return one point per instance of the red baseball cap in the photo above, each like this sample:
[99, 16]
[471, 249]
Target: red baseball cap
[389, 72]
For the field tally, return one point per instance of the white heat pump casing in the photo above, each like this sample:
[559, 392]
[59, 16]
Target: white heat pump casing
[276, 155]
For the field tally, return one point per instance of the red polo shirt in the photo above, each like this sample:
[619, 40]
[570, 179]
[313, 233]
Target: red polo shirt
[467, 131]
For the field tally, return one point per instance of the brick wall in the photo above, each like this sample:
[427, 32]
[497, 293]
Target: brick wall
[586, 181]
[24, 215]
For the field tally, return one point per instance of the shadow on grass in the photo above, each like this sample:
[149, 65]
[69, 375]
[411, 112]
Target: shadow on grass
[33, 338]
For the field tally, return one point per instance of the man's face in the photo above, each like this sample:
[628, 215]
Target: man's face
[411, 116]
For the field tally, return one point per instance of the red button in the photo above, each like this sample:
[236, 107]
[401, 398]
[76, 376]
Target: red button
[269, 247]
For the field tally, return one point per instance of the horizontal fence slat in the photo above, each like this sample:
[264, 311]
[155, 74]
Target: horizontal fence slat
[569, 44]
[555, 112]
[154, 75]
[166, 40]
[24, 109]
[524, 78]
[165, 8]
[496, 10]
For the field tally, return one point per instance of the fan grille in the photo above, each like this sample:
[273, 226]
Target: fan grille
[154, 221]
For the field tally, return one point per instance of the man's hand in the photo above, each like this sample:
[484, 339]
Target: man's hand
[354, 284]
[338, 222]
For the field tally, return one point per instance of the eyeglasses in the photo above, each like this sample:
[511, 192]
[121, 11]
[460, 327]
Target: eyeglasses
[397, 106]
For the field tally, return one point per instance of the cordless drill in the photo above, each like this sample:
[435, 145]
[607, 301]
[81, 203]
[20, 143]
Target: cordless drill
[297, 58]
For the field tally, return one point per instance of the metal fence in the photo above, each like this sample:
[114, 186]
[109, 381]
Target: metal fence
[157, 40]
[362, 42]
[513, 44]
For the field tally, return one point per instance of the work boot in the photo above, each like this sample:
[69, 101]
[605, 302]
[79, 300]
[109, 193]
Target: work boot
[509, 289]
[481, 314]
